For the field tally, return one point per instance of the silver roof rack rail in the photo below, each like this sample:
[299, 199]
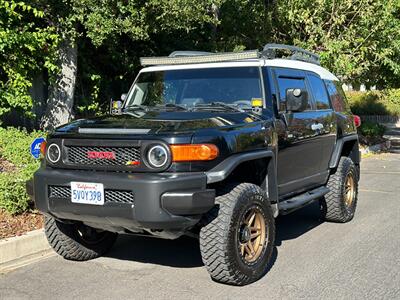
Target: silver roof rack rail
[188, 53]
[297, 53]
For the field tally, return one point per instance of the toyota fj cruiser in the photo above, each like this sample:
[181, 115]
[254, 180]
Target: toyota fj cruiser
[209, 145]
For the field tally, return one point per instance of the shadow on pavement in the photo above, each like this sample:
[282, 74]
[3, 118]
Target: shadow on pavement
[185, 253]
[182, 253]
[297, 223]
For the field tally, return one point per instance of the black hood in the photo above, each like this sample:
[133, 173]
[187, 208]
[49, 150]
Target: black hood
[157, 122]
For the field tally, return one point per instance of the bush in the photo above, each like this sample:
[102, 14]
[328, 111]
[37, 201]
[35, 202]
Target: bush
[385, 102]
[14, 147]
[371, 130]
[371, 133]
[392, 101]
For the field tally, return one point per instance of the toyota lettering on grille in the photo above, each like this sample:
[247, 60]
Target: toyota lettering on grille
[101, 155]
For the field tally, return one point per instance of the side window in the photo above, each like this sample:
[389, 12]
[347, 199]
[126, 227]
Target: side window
[319, 91]
[285, 83]
[337, 96]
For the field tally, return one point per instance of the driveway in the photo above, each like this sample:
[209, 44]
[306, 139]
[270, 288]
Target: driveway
[313, 259]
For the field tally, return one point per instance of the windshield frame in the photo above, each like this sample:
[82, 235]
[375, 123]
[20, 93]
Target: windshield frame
[196, 67]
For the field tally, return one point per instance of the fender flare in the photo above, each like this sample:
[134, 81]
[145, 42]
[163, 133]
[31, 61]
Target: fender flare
[225, 168]
[335, 157]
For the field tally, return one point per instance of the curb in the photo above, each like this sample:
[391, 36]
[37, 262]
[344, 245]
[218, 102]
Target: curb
[15, 250]
[375, 148]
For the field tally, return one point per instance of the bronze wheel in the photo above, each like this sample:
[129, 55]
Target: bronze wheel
[237, 240]
[339, 205]
[252, 235]
[349, 193]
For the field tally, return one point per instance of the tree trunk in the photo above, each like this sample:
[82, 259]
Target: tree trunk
[61, 91]
[215, 14]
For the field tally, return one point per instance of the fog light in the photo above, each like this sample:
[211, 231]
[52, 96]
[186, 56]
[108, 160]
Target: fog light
[53, 153]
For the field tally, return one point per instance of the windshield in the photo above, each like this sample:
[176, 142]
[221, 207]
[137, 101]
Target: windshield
[196, 87]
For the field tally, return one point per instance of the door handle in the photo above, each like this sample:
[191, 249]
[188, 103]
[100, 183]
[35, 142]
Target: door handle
[317, 126]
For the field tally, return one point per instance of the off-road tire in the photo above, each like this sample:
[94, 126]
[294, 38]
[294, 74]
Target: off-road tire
[67, 242]
[219, 237]
[333, 205]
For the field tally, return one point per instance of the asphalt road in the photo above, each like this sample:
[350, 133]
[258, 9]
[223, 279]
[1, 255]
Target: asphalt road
[313, 259]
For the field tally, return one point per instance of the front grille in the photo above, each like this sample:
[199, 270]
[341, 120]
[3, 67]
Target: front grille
[115, 196]
[78, 155]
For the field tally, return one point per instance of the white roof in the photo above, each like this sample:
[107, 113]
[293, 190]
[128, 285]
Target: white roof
[284, 63]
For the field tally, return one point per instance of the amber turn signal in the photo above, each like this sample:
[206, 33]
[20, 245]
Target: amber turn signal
[43, 148]
[193, 152]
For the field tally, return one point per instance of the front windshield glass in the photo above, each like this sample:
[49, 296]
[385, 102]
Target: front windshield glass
[196, 87]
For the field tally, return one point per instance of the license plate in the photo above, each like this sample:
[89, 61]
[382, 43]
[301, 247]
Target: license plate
[87, 193]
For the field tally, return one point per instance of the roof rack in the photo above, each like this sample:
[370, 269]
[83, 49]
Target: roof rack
[270, 52]
[197, 57]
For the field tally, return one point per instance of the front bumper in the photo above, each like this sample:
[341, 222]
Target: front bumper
[162, 201]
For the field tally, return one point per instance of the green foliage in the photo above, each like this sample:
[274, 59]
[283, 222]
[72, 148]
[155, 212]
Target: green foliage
[372, 130]
[358, 40]
[26, 46]
[139, 20]
[117, 33]
[14, 147]
[392, 101]
[385, 102]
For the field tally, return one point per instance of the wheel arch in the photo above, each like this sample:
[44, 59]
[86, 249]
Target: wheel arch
[258, 167]
[345, 146]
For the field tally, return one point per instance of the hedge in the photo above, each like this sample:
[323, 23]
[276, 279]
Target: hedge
[14, 147]
[371, 130]
[386, 102]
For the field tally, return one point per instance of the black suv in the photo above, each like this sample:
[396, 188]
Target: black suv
[208, 145]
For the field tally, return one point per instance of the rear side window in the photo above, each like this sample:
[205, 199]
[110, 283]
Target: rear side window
[319, 91]
[285, 83]
[337, 96]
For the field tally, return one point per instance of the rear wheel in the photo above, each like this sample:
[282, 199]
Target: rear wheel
[339, 205]
[77, 241]
[238, 239]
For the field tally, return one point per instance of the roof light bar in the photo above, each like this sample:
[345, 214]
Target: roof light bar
[216, 57]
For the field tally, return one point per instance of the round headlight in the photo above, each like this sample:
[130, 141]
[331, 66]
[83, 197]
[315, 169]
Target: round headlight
[157, 156]
[53, 153]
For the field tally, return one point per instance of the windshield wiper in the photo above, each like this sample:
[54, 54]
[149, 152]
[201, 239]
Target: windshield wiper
[147, 108]
[135, 107]
[181, 107]
[219, 104]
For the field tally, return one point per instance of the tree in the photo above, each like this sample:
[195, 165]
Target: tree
[357, 39]
[26, 46]
[98, 43]
[120, 33]
[104, 23]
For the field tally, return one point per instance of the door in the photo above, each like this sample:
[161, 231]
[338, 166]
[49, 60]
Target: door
[325, 117]
[299, 144]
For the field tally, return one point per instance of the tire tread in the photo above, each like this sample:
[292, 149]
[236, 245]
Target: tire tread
[333, 208]
[213, 236]
[59, 237]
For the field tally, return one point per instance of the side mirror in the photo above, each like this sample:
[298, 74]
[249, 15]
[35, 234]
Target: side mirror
[116, 107]
[296, 100]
